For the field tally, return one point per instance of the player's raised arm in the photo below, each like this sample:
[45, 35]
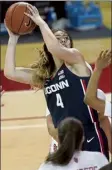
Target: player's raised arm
[18, 74]
[91, 94]
[68, 55]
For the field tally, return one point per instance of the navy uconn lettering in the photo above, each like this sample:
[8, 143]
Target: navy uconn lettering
[56, 87]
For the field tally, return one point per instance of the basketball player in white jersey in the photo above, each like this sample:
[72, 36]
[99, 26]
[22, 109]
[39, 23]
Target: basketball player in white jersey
[103, 106]
[69, 155]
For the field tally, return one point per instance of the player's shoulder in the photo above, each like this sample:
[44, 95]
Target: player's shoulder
[77, 54]
[90, 153]
[76, 51]
[96, 155]
[47, 166]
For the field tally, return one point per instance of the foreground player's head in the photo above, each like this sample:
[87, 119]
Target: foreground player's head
[45, 66]
[63, 37]
[70, 134]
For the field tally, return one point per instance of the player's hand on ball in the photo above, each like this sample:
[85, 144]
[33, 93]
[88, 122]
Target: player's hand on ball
[104, 59]
[34, 14]
[11, 34]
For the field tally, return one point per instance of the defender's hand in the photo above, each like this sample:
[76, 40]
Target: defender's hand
[104, 59]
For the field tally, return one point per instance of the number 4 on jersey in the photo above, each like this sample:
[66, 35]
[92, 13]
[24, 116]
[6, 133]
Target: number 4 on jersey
[59, 101]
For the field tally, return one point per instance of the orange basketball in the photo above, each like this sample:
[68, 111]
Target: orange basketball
[17, 21]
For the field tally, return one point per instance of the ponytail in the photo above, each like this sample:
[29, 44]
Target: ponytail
[65, 152]
[70, 134]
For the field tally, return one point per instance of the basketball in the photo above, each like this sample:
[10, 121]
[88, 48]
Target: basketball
[17, 21]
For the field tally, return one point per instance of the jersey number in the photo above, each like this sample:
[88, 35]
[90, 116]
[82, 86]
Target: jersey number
[59, 101]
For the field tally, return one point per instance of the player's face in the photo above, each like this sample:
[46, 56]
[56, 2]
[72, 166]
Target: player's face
[63, 38]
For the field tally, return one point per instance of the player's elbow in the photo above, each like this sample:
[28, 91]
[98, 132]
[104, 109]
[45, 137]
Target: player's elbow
[9, 75]
[87, 99]
[90, 101]
[6, 73]
[52, 49]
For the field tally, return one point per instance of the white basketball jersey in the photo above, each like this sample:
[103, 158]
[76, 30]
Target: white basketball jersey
[108, 109]
[83, 160]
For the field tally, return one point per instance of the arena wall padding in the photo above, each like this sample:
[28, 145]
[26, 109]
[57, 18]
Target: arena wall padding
[104, 83]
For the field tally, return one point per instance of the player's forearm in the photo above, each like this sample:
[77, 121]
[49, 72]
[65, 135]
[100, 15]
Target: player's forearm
[9, 67]
[19, 74]
[106, 126]
[48, 36]
[53, 132]
[51, 129]
[91, 98]
[91, 92]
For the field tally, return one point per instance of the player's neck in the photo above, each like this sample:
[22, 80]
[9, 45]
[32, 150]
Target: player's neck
[55, 71]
